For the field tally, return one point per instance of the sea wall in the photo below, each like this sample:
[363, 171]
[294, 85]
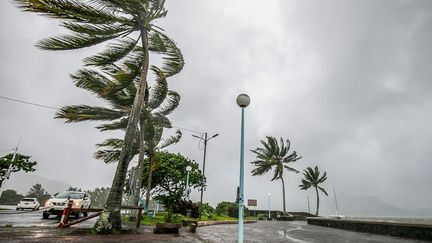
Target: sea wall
[413, 231]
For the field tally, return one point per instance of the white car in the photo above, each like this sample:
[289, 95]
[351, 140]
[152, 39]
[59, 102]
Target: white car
[28, 203]
[56, 204]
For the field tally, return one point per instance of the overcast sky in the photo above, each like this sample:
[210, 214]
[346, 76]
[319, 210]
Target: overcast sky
[348, 82]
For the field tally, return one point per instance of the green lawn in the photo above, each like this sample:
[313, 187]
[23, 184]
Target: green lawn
[160, 217]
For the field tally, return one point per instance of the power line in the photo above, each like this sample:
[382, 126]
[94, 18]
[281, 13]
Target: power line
[54, 108]
[29, 103]
[186, 129]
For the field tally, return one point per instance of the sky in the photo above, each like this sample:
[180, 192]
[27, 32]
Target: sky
[347, 82]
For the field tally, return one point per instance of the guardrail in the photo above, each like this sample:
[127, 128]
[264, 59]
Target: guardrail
[64, 222]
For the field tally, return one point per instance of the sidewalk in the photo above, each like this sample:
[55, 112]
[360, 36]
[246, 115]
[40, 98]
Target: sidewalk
[72, 234]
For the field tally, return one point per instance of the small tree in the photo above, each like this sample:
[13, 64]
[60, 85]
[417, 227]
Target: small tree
[99, 196]
[169, 175]
[10, 197]
[39, 192]
[312, 179]
[9, 164]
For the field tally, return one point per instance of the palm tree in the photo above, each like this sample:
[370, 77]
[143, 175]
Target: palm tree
[312, 179]
[98, 21]
[274, 157]
[153, 143]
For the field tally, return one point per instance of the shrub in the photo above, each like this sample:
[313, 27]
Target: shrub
[230, 209]
[183, 206]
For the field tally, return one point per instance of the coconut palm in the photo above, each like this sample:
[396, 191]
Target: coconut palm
[98, 21]
[312, 179]
[275, 157]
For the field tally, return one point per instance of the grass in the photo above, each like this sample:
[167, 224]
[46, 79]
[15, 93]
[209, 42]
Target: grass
[161, 217]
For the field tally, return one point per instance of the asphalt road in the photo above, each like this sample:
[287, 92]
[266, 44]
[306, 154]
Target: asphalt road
[296, 231]
[29, 218]
[262, 231]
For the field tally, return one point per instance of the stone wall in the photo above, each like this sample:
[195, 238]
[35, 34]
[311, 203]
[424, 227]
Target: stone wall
[413, 231]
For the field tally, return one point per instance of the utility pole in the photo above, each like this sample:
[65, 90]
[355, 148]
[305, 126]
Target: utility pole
[205, 139]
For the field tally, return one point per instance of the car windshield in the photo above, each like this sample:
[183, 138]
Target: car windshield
[27, 200]
[72, 195]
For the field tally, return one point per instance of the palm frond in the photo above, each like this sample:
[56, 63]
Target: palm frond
[112, 54]
[87, 113]
[171, 140]
[71, 10]
[70, 42]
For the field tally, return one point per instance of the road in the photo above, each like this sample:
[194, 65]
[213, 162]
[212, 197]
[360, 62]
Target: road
[296, 231]
[29, 218]
[262, 231]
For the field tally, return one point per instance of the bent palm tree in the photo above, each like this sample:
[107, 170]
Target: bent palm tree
[274, 157]
[312, 179]
[97, 21]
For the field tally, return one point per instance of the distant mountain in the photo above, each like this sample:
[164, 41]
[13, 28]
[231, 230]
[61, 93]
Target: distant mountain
[22, 182]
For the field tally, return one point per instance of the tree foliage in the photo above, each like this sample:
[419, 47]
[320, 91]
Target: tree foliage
[276, 157]
[20, 163]
[98, 196]
[38, 192]
[10, 197]
[169, 177]
[312, 179]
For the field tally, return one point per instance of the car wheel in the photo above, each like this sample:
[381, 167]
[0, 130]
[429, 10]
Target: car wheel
[77, 215]
[45, 215]
[34, 209]
[85, 214]
[17, 208]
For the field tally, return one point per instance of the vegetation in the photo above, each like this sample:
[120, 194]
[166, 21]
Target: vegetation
[312, 179]
[125, 23]
[10, 197]
[182, 207]
[11, 163]
[274, 157]
[98, 196]
[39, 192]
[169, 175]
[229, 209]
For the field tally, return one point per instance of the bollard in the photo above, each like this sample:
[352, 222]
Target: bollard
[65, 215]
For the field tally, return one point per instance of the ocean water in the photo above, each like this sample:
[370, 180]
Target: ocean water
[425, 221]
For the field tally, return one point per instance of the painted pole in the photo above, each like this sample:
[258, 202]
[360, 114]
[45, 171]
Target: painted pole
[204, 160]
[240, 209]
[242, 101]
[188, 169]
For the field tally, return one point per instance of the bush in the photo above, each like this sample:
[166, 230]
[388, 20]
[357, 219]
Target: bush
[230, 209]
[183, 206]
[262, 216]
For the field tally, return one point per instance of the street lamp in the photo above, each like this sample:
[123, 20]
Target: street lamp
[205, 139]
[188, 169]
[269, 203]
[243, 101]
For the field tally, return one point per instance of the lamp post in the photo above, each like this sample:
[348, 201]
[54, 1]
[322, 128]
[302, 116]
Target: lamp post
[188, 169]
[205, 139]
[269, 204]
[243, 101]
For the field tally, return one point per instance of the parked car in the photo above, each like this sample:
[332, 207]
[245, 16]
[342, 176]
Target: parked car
[28, 203]
[56, 204]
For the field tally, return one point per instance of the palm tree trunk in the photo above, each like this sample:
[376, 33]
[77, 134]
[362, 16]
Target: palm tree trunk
[283, 196]
[140, 166]
[149, 181]
[317, 207]
[110, 219]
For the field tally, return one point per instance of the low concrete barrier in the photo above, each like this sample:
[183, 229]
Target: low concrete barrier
[208, 223]
[413, 231]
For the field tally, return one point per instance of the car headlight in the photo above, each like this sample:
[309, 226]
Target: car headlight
[77, 203]
[48, 204]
